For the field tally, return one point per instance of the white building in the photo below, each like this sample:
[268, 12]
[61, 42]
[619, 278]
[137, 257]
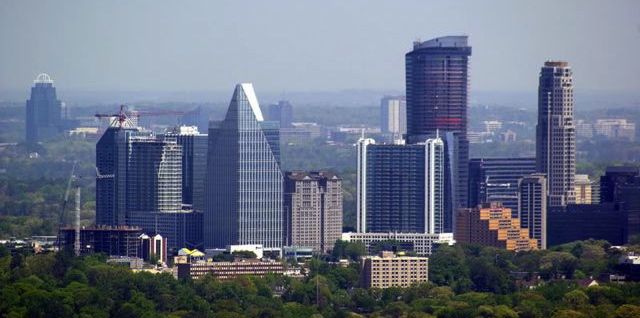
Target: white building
[422, 242]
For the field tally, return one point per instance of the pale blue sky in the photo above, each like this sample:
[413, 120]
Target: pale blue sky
[309, 45]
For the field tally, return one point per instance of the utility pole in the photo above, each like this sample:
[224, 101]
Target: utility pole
[76, 246]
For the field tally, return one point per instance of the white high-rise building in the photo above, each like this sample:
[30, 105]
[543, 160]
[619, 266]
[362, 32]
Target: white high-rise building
[361, 184]
[393, 116]
[434, 185]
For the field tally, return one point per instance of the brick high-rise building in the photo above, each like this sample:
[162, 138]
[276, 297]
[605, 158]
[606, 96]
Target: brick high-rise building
[437, 97]
[491, 224]
[555, 132]
[313, 209]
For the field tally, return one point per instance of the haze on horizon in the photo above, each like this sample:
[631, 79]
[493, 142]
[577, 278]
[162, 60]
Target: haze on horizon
[309, 46]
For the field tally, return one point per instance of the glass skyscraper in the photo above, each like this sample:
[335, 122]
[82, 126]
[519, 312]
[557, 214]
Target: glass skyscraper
[437, 84]
[43, 117]
[244, 194]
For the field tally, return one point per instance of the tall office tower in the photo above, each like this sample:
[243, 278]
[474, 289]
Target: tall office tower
[437, 83]
[400, 187]
[194, 164]
[393, 116]
[282, 112]
[112, 162]
[243, 203]
[613, 179]
[533, 207]
[555, 132]
[43, 117]
[491, 224]
[583, 189]
[154, 175]
[313, 209]
[496, 179]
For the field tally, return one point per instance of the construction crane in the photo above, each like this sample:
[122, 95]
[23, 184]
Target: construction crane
[122, 118]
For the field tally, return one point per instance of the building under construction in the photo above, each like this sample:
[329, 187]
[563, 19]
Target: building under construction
[110, 240]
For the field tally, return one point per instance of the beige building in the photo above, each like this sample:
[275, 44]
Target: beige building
[583, 189]
[491, 224]
[313, 209]
[228, 270]
[390, 270]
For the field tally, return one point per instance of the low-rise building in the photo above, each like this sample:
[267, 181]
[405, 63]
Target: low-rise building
[390, 270]
[421, 243]
[229, 270]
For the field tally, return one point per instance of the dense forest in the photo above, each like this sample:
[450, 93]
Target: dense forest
[466, 281]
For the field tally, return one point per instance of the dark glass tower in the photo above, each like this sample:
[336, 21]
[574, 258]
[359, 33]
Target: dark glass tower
[43, 118]
[244, 194]
[437, 84]
[281, 112]
[194, 164]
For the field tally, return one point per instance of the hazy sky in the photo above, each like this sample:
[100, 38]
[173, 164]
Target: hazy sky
[309, 45]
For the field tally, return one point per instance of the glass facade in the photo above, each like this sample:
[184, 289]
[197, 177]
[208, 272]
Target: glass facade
[243, 202]
[43, 113]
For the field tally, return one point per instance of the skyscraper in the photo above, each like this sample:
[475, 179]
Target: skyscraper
[393, 116]
[555, 132]
[194, 164]
[496, 179]
[533, 207]
[282, 112]
[400, 187]
[437, 84]
[313, 209]
[243, 202]
[43, 117]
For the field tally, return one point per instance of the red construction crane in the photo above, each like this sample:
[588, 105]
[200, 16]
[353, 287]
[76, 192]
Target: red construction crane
[123, 115]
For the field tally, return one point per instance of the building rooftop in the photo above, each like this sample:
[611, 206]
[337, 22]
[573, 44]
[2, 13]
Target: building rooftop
[556, 64]
[445, 41]
[311, 175]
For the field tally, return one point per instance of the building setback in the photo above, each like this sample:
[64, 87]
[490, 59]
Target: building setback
[313, 209]
[555, 132]
[436, 93]
[492, 225]
[389, 270]
[43, 112]
[243, 202]
[532, 207]
[400, 187]
[496, 179]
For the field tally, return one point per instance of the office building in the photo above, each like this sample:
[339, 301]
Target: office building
[555, 132]
[532, 207]
[282, 112]
[423, 244]
[583, 189]
[400, 187]
[390, 270]
[393, 116]
[108, 240]
[194, 164]
[43, 113]
[313, 209]
[613, 179]
[230, 270]
[179, 228]
[491, 224]
[615, 129]
[243, 203]
[577, 222]
[584, 129]
[496, 180]
[436, 93]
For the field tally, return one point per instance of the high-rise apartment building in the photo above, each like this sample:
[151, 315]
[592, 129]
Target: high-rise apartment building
[282, 112]
[313, 209]
[400, 187]
[583, 189]
[243, 203]
[43, 116]
[436, 93]
[555, 132]
[491, 224]
[496, 179]
[532, 210]
[393, 116]
[194, 164]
